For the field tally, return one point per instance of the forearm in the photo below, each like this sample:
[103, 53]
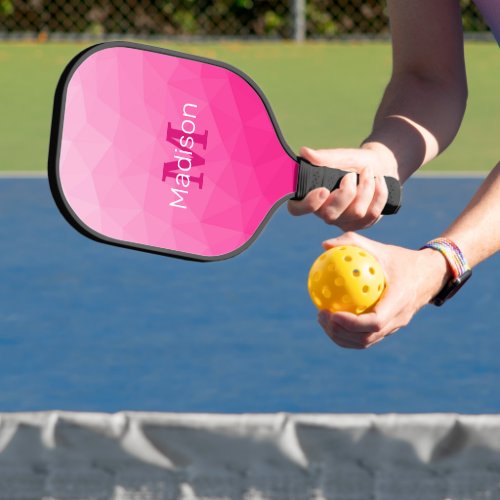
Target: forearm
[416, 120]
[424, 103]
[477, 230]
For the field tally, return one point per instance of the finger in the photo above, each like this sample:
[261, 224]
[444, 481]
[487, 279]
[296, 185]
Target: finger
[362, 340]
[376, 338]
[338, 334]
[348, 338]
[348, 238]
[312, 156]
[324, 318]
[392, 311]
[345, 344]
[338, 157]
[342, 340]
[380, 196]
[353, 341]
[338, 201]
[384, 319]
[365, 191]
[366, 209]
[362, 324]
[393, 332]
[311, 203]
[372, 343]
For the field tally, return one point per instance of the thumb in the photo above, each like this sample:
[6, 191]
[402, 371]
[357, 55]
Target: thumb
[353, 159]
[377, 249]
[312, 155]
[349, 238]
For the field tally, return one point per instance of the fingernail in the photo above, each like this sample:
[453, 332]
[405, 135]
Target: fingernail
[324, 194]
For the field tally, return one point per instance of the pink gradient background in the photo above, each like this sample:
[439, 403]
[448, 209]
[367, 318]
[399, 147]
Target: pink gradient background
[113, 147]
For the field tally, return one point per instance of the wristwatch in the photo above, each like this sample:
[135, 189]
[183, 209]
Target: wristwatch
[460, 270]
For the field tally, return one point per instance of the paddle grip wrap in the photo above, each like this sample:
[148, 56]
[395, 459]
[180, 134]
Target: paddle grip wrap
[312, 177]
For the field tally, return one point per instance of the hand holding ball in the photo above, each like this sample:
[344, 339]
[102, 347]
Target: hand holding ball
[346, 278]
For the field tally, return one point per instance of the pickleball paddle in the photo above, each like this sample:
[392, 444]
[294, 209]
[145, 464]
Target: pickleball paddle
[171, 153]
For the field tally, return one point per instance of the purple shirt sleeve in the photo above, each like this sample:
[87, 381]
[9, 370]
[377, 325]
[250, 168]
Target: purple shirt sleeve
[490, 9]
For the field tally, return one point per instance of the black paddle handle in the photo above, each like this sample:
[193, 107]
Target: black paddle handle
[312, 177]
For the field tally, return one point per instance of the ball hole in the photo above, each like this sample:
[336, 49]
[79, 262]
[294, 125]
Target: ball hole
[372, 270]
[346, 299]
[360, 309]
[366, 289]
[362, 254]
[339, 281]
[327, 293]
[356, 273]
[379, 287]
[317, 301]
[348, 258]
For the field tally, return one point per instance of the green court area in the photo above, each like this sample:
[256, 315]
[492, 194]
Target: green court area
[323, 94]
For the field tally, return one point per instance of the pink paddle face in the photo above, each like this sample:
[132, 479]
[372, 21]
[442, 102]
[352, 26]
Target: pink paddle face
[159, 151]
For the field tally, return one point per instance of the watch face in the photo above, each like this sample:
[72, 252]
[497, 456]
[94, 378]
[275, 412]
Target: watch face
[451, 288]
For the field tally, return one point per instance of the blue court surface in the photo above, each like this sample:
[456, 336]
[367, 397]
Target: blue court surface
[90, 327]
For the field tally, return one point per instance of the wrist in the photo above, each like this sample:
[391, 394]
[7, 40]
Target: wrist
[457, 265]
[386, 157]
[437, 272]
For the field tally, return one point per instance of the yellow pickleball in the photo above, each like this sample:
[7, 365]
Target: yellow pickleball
[346, 278]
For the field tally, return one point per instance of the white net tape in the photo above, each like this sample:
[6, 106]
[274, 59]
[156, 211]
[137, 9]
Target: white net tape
[160, 456]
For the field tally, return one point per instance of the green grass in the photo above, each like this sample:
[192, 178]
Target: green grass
[323, 94]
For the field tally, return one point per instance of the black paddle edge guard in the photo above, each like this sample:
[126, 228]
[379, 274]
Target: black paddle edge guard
[56, 139]
[312, 177]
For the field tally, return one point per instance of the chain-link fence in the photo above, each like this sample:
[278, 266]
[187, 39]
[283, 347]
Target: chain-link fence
[206, 18]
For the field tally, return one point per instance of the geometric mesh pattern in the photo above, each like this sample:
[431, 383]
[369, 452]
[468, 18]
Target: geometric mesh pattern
[156, 456]
[205, 18]
[169, 153]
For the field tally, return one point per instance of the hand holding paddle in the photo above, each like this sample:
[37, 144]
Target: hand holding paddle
[360, 199]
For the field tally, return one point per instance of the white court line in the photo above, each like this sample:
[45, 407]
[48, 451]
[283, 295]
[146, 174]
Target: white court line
[24, 174]
[454, 174]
